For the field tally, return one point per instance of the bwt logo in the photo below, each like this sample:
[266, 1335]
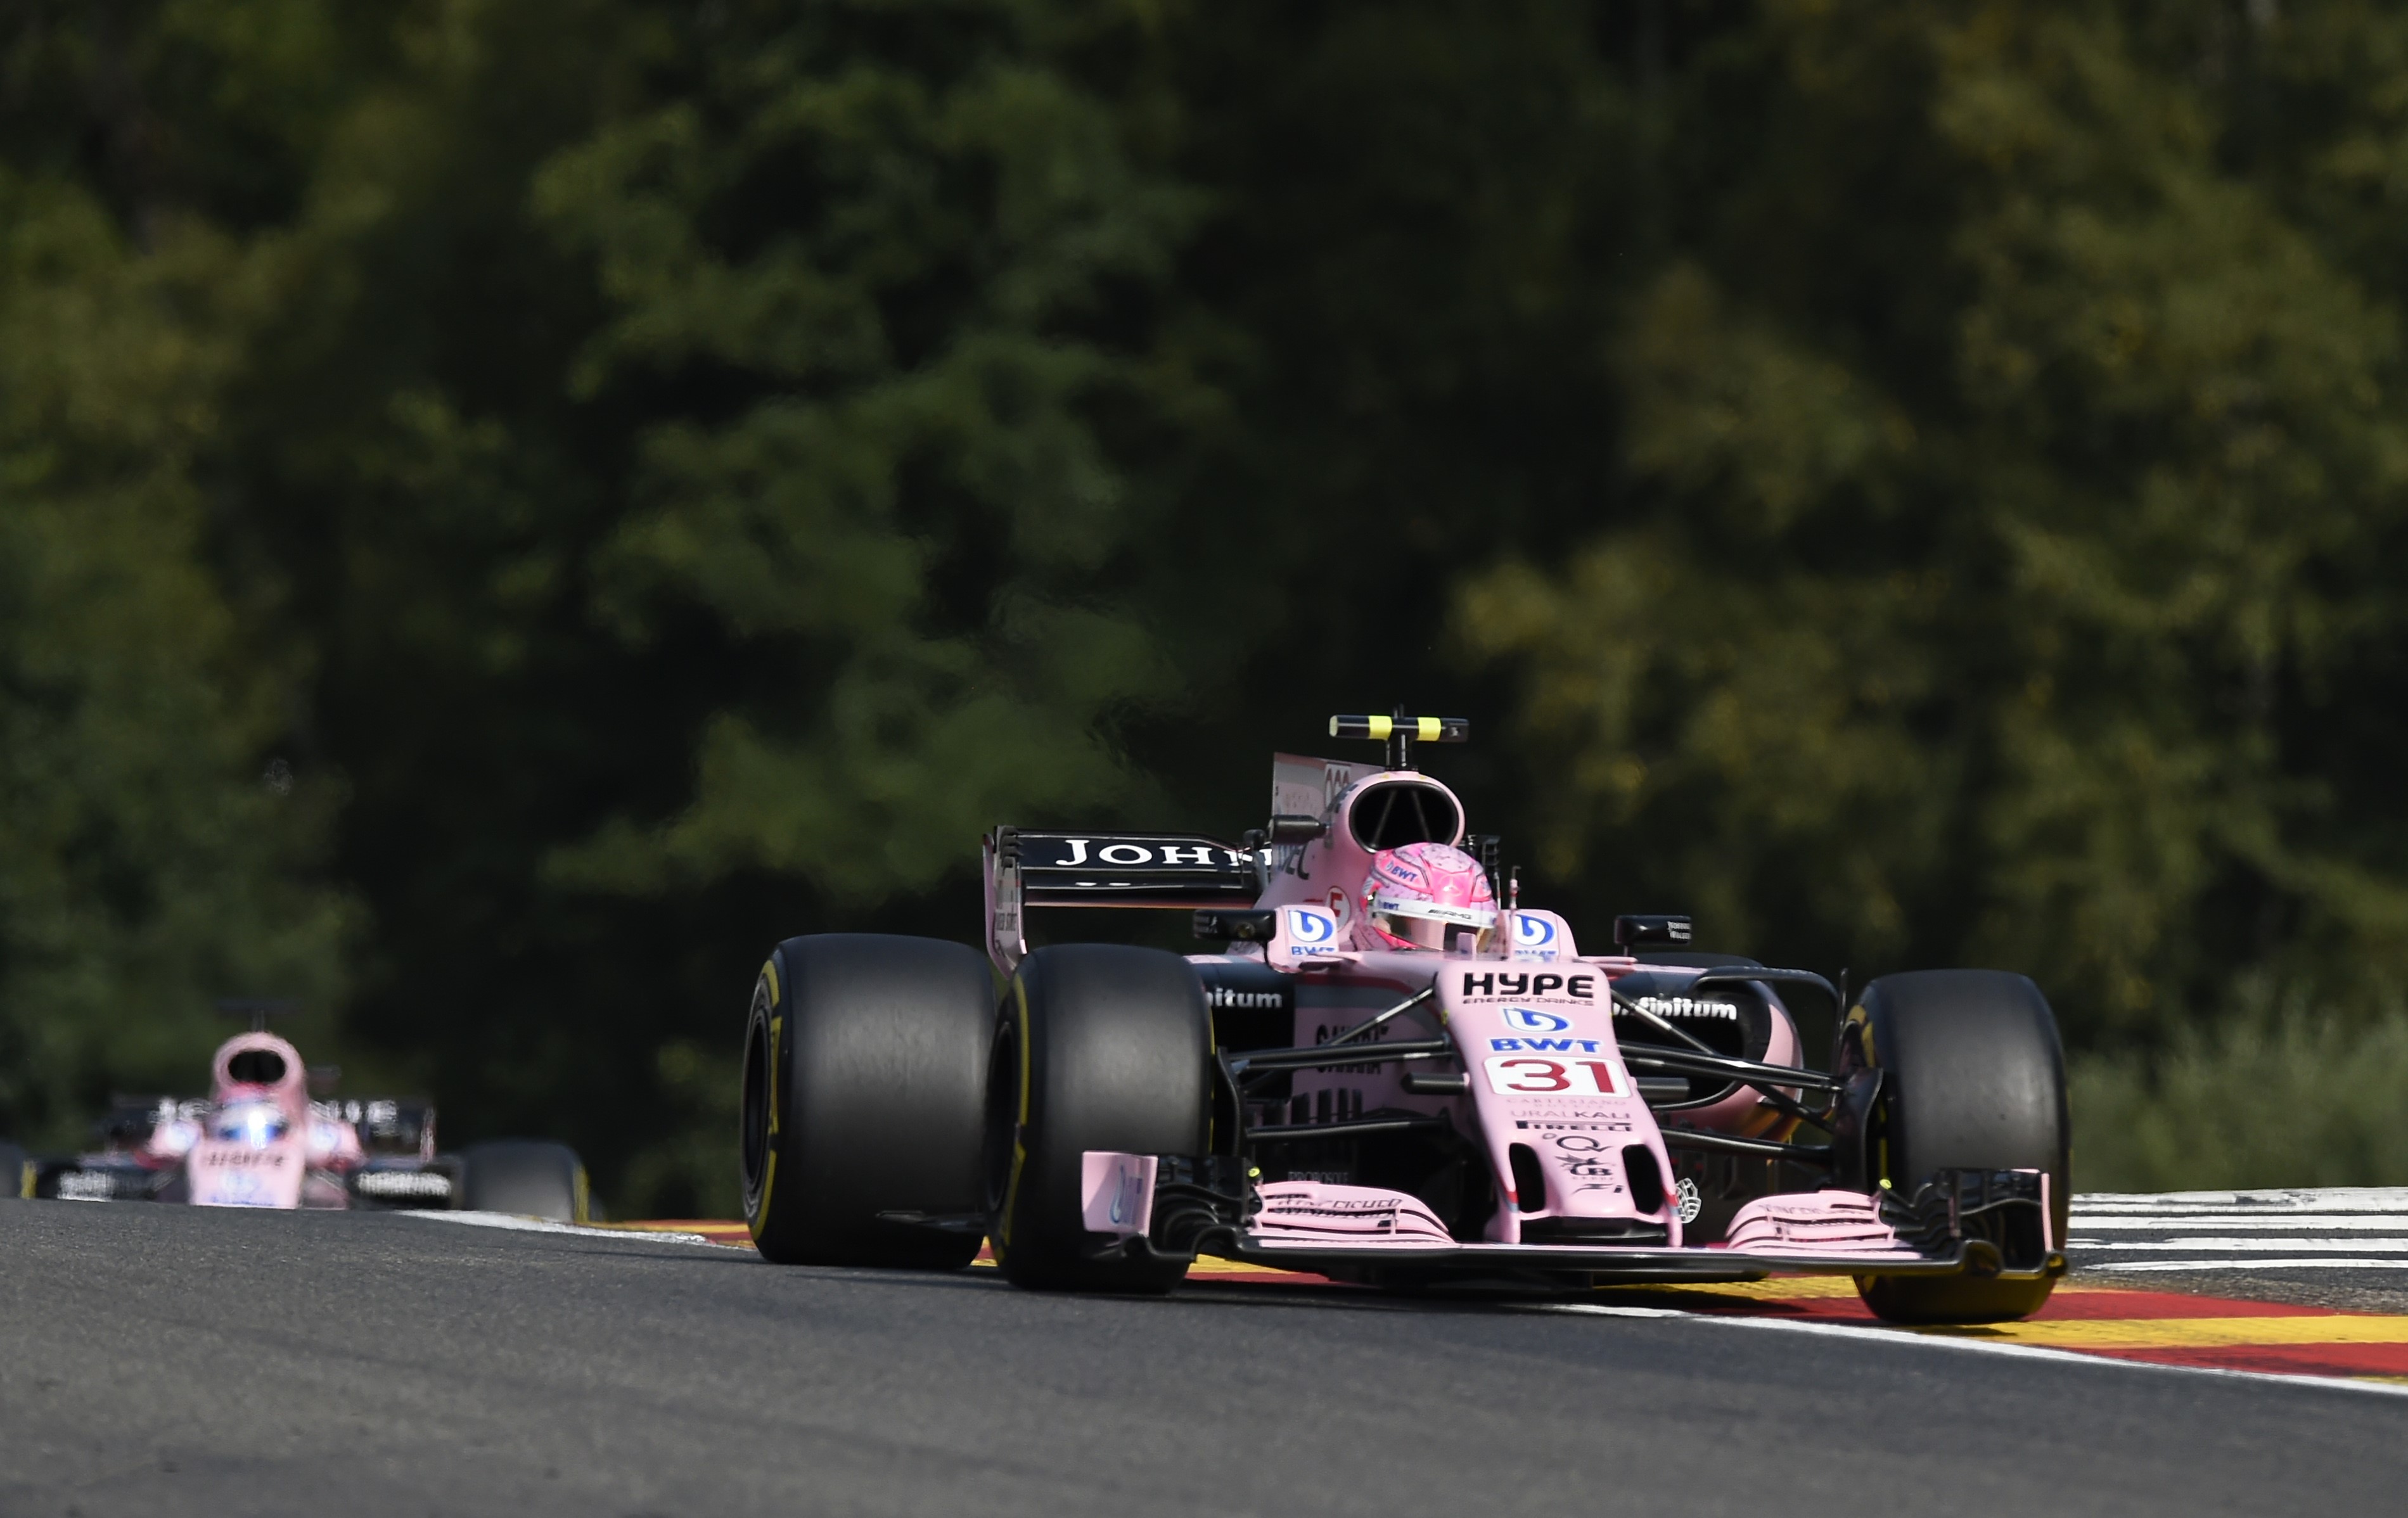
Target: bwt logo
[1532, 932]
[1530, 1020]
[1307, 926]
[1126, 1195]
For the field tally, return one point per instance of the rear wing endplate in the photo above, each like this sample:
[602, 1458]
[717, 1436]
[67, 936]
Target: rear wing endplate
[1164, 870]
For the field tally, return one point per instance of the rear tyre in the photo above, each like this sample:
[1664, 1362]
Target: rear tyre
[526, 1175]
[865, 1090]
[16, 1165]
[1974, 1077]
[1098, 1047]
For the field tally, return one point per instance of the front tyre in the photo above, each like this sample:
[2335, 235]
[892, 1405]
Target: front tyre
[1974, 1077]
[532, 1177]
[1098, 1047]
[865, 1085]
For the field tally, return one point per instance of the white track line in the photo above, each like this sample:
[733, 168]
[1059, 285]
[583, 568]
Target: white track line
[2328, 1209]
[2336, 1221]
[2308, 1228]
[2302, 1200]
[2125, 1266]
[1978, 1346]
[1790, 1326]
[2210, 1244]
[525, 1225]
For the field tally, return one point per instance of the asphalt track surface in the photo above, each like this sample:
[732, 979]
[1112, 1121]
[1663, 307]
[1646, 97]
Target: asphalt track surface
[173, 1360]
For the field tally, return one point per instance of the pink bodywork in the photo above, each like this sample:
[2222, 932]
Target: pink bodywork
[259, 1143]
[1547, 1074]
[1533, 1022]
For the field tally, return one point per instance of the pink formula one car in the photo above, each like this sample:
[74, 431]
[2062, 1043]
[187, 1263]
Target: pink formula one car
[1390, 1076]
[260, 1140]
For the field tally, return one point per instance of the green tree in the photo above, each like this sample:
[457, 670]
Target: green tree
[1993, 532]
[157, 853]
[879, 272]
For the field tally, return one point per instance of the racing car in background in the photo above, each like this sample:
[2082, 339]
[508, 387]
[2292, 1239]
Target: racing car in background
[260, 1138]
[1392, 1073]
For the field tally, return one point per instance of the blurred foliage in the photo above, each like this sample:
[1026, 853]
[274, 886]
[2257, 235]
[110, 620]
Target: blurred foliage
[858, 272]
[507, 511]
[2285, 1096]
[1997, 552]
[154, 849]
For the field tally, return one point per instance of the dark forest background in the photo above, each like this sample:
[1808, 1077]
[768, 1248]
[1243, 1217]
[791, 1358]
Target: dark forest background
[508, 508]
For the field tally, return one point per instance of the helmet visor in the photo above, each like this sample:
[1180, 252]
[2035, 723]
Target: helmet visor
[257, 1124]
[1429, 932]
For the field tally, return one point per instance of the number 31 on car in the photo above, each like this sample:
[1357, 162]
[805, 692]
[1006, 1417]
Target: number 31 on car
[1526, 1075]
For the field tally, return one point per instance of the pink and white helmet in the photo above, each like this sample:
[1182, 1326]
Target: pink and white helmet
[1425, 895]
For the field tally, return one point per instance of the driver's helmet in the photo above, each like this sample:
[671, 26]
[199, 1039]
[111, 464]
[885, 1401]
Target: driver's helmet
[1425, 895]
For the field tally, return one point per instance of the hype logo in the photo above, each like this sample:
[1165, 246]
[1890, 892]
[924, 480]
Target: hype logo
[1531, 1020]
[1532, 932]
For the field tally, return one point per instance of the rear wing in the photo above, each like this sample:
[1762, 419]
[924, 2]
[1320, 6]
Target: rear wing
[1162, 871]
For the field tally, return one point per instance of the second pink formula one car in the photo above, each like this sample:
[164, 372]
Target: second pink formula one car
[1390, 1076]
[260, 1140]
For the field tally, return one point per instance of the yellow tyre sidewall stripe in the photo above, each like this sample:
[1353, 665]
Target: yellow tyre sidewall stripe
[1002, 1241]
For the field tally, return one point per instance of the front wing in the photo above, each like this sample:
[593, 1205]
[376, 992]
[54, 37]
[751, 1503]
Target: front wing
[1995, 1225]
[1624, 1263]
[381, 1183]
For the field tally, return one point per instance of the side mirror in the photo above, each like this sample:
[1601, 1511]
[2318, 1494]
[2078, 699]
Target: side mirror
[1287, 828]
[1238, 926]
[1639, 932]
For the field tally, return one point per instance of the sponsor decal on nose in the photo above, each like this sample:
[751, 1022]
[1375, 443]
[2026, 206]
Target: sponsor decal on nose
[1690, 1006]
[1305, 926]
[1508, 984]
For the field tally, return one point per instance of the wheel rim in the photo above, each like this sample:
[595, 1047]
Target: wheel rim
[1002, 1111]
[757, 1118]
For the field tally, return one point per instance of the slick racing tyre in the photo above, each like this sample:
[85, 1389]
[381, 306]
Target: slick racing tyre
[1974, 1077]
[14, 1165]
[865, 1090]
[1099, 1046]
[525, 1175]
